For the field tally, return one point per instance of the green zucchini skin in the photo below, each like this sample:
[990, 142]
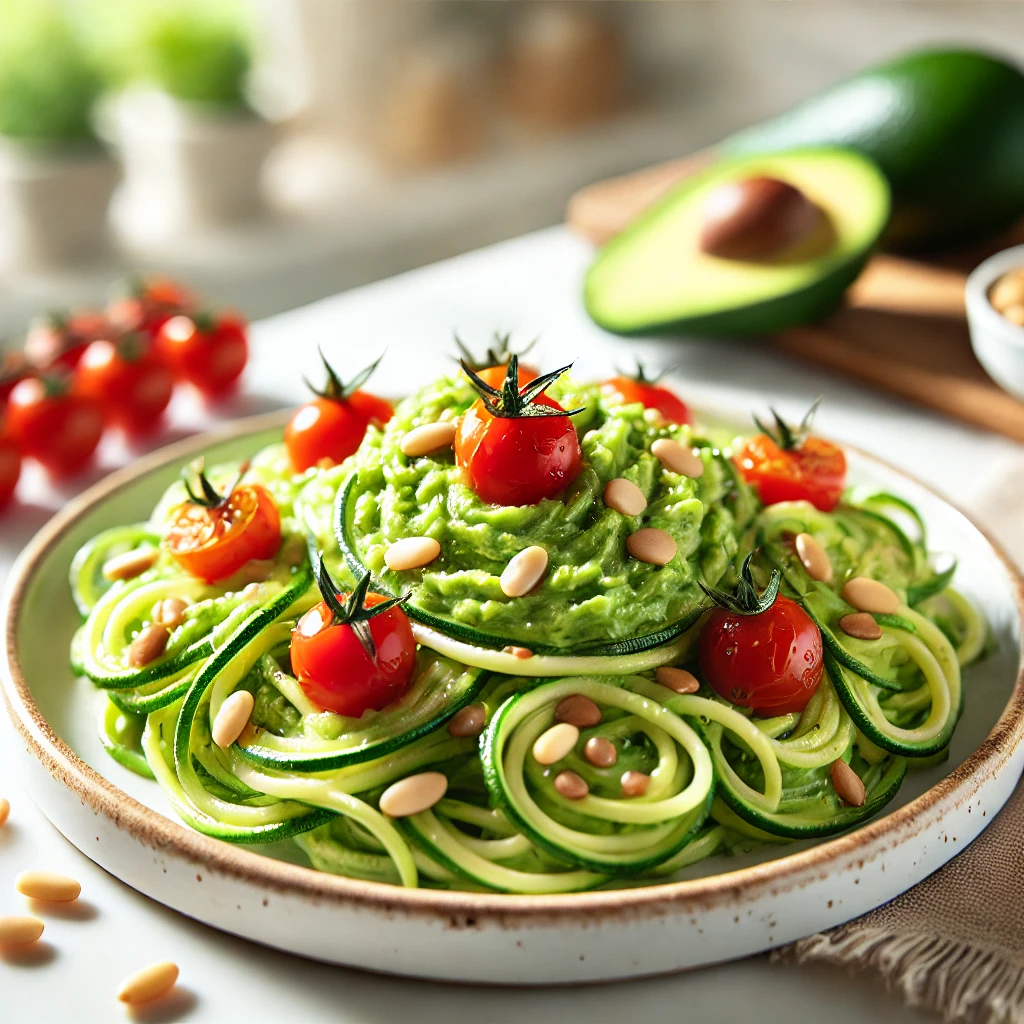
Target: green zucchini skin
[89, 560]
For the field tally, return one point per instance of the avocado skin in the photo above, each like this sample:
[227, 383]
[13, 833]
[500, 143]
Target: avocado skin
[945, 126]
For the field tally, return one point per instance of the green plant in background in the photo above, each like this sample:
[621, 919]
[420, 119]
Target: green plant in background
[48, 81]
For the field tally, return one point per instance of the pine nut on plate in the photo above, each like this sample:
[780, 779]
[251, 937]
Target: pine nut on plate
[555, 743]
[524, 571]
[635, 783]
[813, 557]
[600, 752]
[469, 721]
[148, 645]
[413, 794]
[571, 786]
[652, 545]
[847, 783]
[577, 710]
[411, 553]
[428, 439]
[868, 595]
[148, 984]
[130, 564]
[232, 718]
[677, 679]
[861, 626]
[170, 612]
[678, 459]
[48, 886]
[624, 496]
[19, 931]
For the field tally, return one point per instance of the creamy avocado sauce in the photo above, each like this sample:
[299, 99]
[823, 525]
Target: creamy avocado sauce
[594, 590]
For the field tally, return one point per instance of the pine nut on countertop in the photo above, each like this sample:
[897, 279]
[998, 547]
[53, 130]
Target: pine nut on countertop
[148, 984]
[48, 886]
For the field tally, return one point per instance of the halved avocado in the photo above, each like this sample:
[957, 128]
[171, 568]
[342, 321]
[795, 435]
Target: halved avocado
[656, 276]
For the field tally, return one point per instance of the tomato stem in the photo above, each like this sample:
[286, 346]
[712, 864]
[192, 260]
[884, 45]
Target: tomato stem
[210, 496]
[335, 390]
[785, 436]
[513, 402]
[745, 600]
[641, 377]
[501, 353]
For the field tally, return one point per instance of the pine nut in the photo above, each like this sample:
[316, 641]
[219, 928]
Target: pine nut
[652, 545]
[847, 783]
[624, 496]
[524, 571]
[867, 595]
[1007, 291]
[677, 679]
[48, 886]
[5, 810]
[600, 752]
[148, 645]
[555, 743]
[518, 652]
[635, 783]
[571, 786]
[674, 457]
[861, 626]
[577, 710]
[170, 612]
[430, 438]
[654, 418]
[413, 794]
[148, 984]
[19, 931]
[232, 718]
[411, 553]
[814, 558]
[468, 721]
[130, 564]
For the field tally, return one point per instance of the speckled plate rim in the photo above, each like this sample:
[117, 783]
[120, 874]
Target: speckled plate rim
[152, 829]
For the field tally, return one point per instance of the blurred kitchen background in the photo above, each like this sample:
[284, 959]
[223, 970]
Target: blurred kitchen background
[270, 152]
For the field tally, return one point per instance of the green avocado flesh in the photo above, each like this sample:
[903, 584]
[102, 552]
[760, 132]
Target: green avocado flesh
[655, 277]
[594, 591]
[946, 127]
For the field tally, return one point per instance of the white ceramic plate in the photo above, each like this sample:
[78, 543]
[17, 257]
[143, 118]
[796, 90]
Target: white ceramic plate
[725, 908]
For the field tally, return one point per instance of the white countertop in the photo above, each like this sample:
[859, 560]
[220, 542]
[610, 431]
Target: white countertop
[529, 286]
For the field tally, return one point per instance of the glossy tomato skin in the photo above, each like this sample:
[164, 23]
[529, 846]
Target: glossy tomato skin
[334, 669]
[332, 429]
[495, 375]
[53, 425]
[210, 352]
[10, 466]
[651, 396]
[152, 302]
[131, 385]
[770, 662]
[58, 341]
[517, 461]
[814, 472]
[13, 368]
[213, 544]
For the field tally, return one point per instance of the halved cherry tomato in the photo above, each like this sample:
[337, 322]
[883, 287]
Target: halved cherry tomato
[148, 303]
[332, 426]
[10, 464]
[761, 652]
[518, 453]
[131, 385]
[650, 394]
[492, 367]
[355, 652]
[207, 350]
[787, 465]
[58, 340]
[211, 536]
[53, 425]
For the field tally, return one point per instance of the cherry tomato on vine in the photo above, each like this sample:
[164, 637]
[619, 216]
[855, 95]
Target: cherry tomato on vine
[355, 652]
[517, 446]
[208, 350]
[492, 368]
[332, 425]
[53, 425]
[10, 464]
[211, 536]
[58, 340]
[788, 465]
[131, 385]
[148, 303]
[761, 652]
[649, 393]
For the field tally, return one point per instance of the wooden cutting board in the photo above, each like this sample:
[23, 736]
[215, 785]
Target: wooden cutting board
[902, 327]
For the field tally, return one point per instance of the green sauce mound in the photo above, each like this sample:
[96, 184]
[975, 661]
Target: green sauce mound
[594, 591]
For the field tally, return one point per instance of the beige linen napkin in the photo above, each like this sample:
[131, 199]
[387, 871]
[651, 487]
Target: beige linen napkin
[955, 943]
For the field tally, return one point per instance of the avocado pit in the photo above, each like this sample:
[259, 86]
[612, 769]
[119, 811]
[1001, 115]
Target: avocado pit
[757, 218]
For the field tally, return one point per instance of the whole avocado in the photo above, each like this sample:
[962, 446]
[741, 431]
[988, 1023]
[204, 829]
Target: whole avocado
[945, 126]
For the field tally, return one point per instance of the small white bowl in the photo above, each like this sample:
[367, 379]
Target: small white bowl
[998, 343]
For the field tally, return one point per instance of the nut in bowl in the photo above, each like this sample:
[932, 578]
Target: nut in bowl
[995, 315]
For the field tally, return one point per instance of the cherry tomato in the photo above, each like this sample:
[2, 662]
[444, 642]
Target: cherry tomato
[10, 465]
[649, 394]
[131, 385]
[212, 536]
[13, 367]
[149, 303]
[516, 456]
[207, 350]
[761, 652]
[331, 426]
[58, 340]
[495, 375]
[492, 367]
[353, 653]
[53, 425]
